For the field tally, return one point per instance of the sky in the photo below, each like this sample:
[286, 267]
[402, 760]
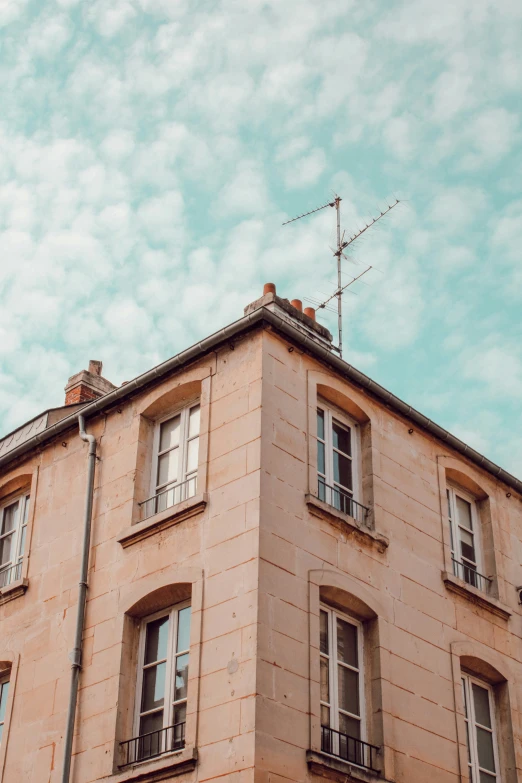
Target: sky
[151, 149]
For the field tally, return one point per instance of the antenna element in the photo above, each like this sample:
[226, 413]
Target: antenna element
[342, 244]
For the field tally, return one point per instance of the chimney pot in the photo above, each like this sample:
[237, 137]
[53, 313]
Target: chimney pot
[297, 304]
[310, 312]
[95, 367]
[269, 288]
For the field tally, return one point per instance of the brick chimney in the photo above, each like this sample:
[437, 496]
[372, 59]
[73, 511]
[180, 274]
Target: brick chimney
[87, 385]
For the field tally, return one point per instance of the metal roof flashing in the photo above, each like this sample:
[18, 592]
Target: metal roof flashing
[262, 315]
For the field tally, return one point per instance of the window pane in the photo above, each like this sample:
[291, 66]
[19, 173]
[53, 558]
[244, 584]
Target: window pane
[193, 428]
[152, 722]
[320, 458]
[449, 503]
[485, 778]
[325, 715]
[153, 694]
[347, 643]
[320, 424]
[1, 731]
[3, 700]
[178, 720]
[169, 433]
[183, 629]
[22, 541]
[342, 439]
[342, 470]
[168, 467]
[9, 520]
[192, 455]
[26, 510]
[481, 702]
[467, 546]
[325, 685]
[350, 726]
[348, 690]
[157, 640]
[464, 513]
[5, 549]
[324, 632]
[182, 663]
[485, 749]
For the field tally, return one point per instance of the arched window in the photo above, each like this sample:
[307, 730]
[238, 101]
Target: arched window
[159, 672]
[345, 675]
[485, 696]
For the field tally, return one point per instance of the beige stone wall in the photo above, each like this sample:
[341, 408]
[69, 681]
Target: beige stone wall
[421, 623]
[256, 558]
[220, 542]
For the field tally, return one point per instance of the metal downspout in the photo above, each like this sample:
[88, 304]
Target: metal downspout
[76, 654]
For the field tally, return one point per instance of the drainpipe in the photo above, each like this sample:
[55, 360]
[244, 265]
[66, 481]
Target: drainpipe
[76, 654]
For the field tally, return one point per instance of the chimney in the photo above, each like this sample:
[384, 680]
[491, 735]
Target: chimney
[87, 385]
[292, 312]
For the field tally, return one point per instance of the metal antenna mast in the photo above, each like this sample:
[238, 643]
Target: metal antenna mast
[339, 253]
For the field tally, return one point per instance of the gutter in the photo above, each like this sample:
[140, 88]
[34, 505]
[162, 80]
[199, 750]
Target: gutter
[76, 654]
[260, 317]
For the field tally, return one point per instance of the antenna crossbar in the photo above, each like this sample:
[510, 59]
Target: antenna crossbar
[342, 244]
[305, 214]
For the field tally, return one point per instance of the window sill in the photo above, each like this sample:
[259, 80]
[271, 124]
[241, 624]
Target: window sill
[324, 511]
[165, 519]
[476, 596]
[14, 590]
[339, 770]
[159, 769]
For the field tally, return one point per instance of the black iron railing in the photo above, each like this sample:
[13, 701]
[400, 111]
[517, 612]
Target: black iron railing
[155, 743]
[347, 748]
[342, 501]
[11, 574]
[168, 497]
[471, 576]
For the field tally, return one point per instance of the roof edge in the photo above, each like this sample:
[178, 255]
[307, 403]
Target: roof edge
[256, 318]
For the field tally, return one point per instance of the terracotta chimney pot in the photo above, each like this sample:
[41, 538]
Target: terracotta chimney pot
[310, 312]
[269, 288]
[297, 304]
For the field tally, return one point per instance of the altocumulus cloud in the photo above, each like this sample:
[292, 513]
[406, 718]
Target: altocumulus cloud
[150, 150]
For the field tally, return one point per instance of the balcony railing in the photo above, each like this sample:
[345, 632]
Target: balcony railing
[169, 497]
[11, 574]
[342, 501]
[156, 743]
[471, 576]
[347, 748]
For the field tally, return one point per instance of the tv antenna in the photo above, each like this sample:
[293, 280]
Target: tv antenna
[339, 253]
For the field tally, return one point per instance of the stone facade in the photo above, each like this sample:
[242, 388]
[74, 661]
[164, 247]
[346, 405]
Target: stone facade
[256, 552]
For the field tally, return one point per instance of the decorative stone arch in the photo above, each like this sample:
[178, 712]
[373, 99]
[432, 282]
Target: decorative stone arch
[372, 608]
[492, 667]
[169, 397]
[139, 599]
[9, 662]
[339, 393]
[459, 473]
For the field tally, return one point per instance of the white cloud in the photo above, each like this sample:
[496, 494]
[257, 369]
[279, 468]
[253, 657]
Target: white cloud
[245, 194]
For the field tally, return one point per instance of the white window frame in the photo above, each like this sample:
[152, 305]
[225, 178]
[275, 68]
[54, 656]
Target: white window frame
[333, 706]
[170, 669]
[188, 489]
[13, 567]
[330, 414]
[452, 492]
[4, 680]
[471, 723]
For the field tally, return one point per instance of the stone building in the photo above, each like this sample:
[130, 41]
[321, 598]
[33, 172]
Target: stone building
[292, 575]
